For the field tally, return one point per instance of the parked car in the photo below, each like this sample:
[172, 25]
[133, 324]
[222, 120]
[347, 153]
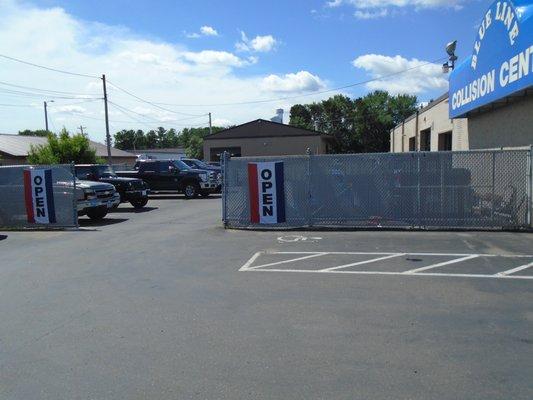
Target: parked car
[194, 163]
[131, 190]
[174, 175]
[95, 199]
[214, 163]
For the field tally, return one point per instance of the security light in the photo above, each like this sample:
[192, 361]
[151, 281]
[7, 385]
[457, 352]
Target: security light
[450, 48]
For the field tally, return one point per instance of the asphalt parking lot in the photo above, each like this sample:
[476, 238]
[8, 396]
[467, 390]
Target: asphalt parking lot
[166, 304]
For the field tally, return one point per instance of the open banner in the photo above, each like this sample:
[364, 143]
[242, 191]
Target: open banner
[266, 192]
[39, 196]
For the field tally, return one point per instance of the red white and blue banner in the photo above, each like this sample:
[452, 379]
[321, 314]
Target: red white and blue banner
[267, 192]
[39, 196]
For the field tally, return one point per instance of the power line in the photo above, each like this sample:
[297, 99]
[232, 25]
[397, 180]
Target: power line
[18, 105]
[49, 68]
[154, 119]
[125, 111]
[307, 94]
[152, 103]
[19, 93]
[46, 90]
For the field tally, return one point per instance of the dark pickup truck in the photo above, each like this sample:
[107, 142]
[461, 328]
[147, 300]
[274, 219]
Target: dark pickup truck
[131, 190]
[162, 175]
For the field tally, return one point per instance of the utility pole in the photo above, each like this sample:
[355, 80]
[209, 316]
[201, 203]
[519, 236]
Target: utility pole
[46, 114]
[45, 117]
[81, 128]
[210, 126]
[107, 135]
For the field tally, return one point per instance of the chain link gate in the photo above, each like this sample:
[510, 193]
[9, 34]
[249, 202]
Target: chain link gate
[471, 189]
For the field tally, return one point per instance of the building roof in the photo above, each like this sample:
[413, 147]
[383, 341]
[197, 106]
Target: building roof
[169, 150]
[262, 128]
[19, 146]
[430, 105]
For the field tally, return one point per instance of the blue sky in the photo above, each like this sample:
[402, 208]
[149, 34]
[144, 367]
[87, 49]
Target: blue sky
[246, 50]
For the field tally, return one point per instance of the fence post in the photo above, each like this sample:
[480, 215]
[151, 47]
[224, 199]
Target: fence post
[309, 190]
[74, 196]
[418, 202]
[225, 160]
[530, 188]
[493, 186]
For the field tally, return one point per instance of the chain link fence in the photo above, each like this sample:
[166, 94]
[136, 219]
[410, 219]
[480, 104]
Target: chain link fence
[37, 197]
[474, 189]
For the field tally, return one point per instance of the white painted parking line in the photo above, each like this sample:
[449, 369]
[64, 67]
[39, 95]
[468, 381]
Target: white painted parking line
[434, 274]
[442, 264]
[382, 256]
[363, 262]
[251, 261]
[517, 269]
[288, 261]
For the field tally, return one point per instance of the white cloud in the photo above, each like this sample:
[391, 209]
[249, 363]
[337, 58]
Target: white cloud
[72, 109]
[152, 69]
[204, 31]
[420, 78]
[302, 81]
[208, 31]
[259, 44]
[359, 14]
[212, 57]
[222, 122]
[385, 6]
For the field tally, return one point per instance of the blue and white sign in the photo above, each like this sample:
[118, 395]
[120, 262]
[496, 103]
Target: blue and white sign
[502, 58]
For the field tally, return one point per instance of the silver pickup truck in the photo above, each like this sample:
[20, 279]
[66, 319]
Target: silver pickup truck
[95, 199]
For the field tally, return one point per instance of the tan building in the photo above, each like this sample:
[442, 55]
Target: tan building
[14, 150]
[265, 138]
[430, 129]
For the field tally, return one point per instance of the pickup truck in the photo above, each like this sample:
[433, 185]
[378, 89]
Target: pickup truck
[162, 175]
[95, 199]
[197, 164]
[131, 190]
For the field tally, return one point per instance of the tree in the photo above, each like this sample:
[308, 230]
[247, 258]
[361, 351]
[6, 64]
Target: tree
[38, 132]
[63, 149]
[193, 140]
[360, 125]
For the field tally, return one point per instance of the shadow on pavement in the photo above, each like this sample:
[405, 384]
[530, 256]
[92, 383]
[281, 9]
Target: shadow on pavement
[104, 222]
[134, 210]
[175, 196]
[2, 237]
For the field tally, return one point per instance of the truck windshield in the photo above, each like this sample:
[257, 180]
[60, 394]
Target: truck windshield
[105, 171]
[181, 165]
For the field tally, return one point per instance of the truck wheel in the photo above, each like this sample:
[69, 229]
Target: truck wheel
[137, 204]
[97, 214]
[191, 190]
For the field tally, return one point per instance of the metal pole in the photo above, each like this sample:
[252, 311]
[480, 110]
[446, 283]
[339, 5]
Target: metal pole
[493, 188]
[74, 196]
[210, 126]
[418, 192]
[225, 159]
[107, 135]
[309, 202]
[45, 117]
[530, 186]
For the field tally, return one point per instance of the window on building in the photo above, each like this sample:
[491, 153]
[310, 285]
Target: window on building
[445, 141]
[425, 140]
[412, 144]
